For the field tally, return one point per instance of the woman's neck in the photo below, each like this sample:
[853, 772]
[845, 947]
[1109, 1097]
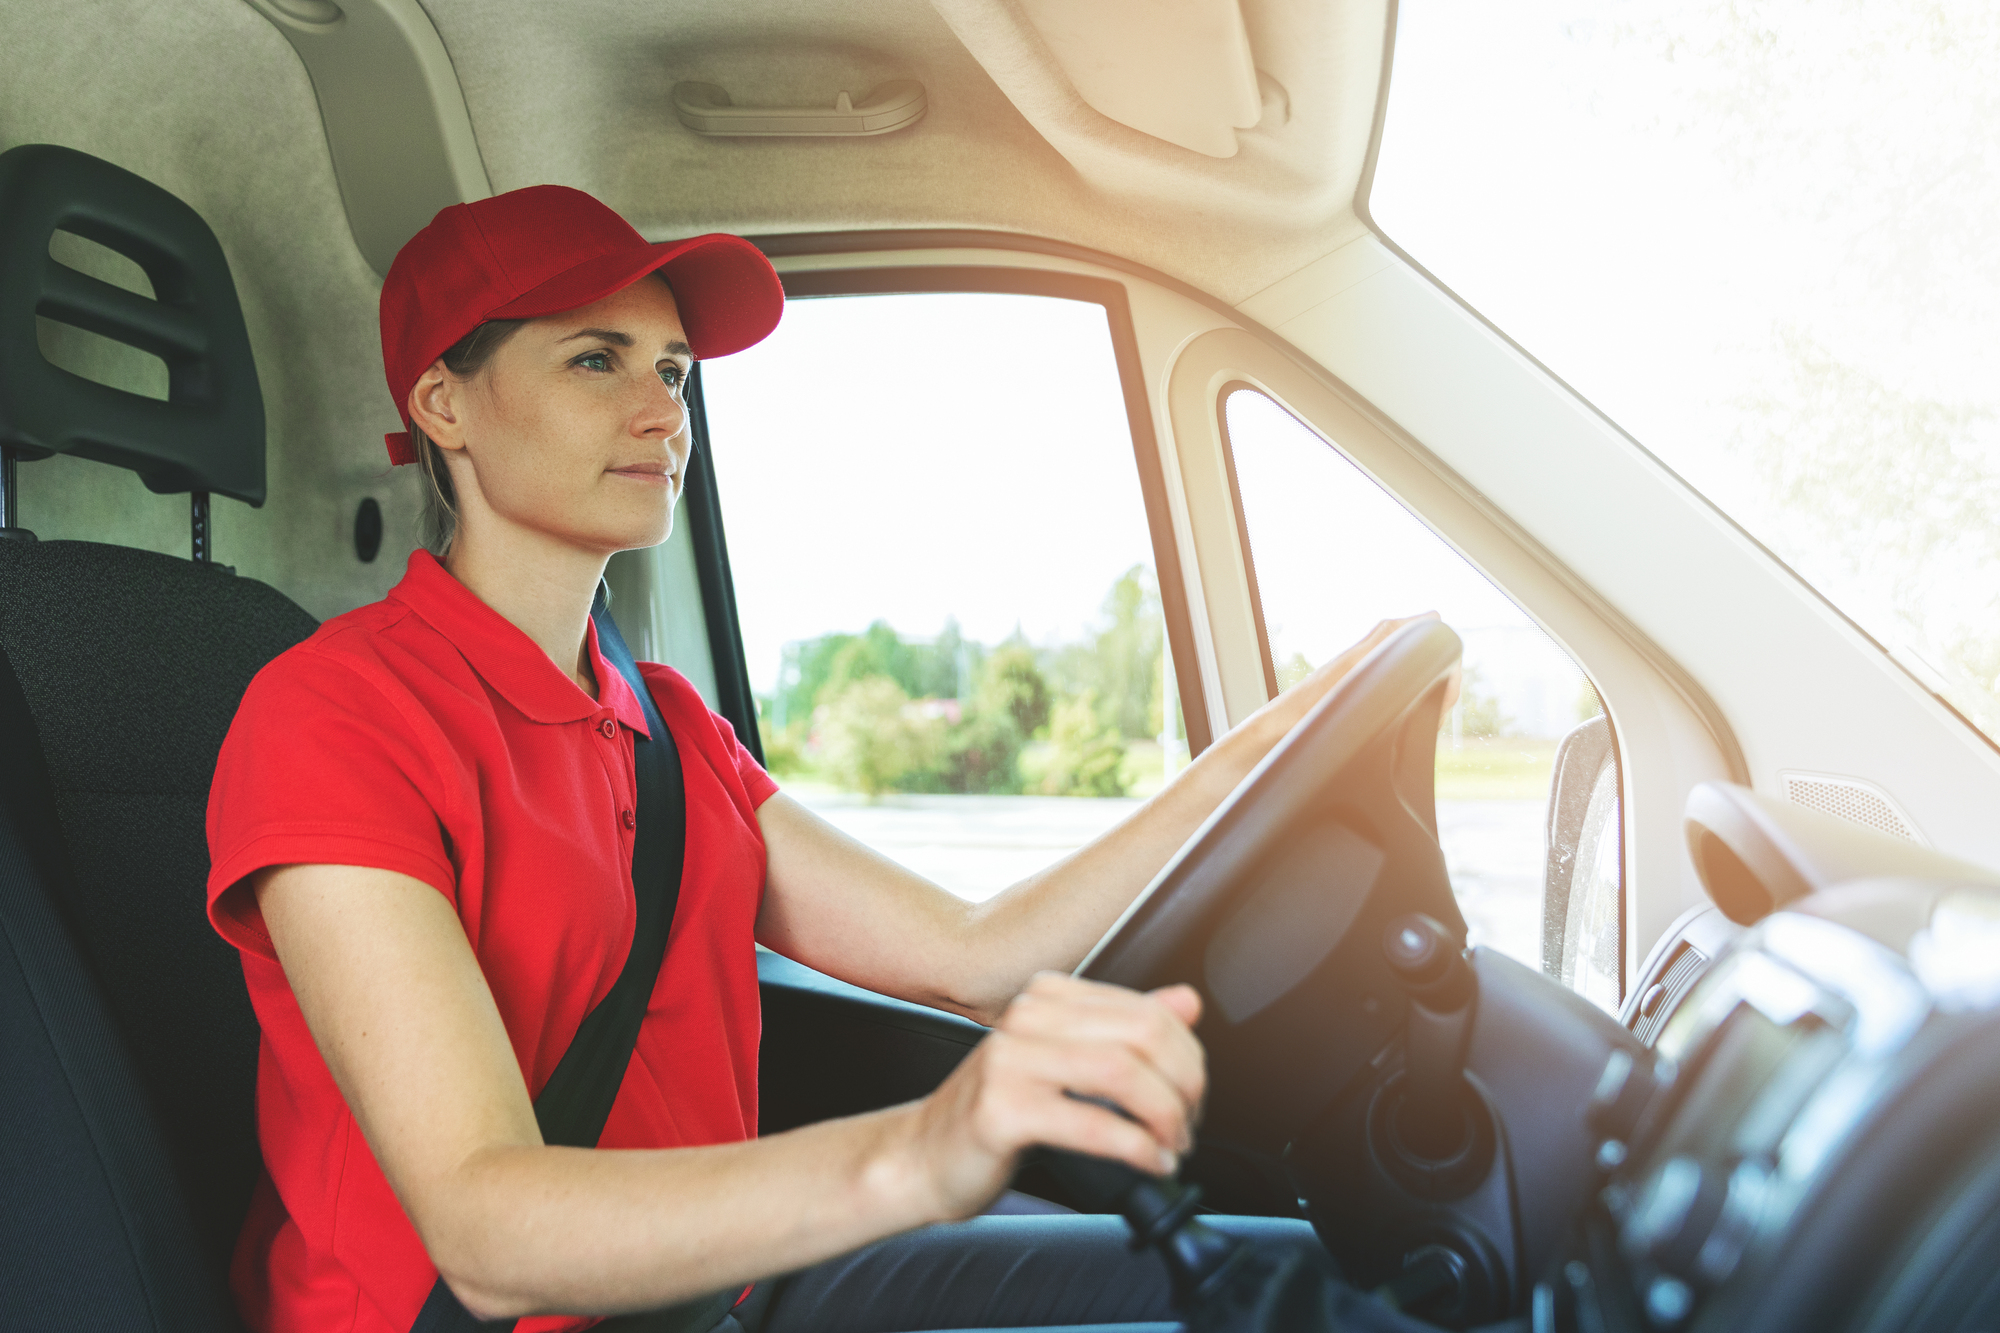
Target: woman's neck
[543, 587]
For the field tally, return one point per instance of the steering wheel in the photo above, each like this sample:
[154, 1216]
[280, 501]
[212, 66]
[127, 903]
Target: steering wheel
[1275, 909]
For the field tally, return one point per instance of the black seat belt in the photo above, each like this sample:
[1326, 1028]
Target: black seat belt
[577, 1099]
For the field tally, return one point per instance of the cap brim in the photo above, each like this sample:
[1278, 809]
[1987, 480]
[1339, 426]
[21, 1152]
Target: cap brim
[728, 294]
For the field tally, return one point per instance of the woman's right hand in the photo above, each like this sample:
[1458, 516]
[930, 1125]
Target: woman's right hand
[1062, 1040]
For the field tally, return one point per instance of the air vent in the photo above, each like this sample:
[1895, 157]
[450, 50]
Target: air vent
[1853, 800]
[1665, 991]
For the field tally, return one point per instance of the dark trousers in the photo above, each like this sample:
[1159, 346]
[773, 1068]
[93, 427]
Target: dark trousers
[1067, 1271]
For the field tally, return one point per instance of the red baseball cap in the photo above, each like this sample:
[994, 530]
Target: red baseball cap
[546, 249]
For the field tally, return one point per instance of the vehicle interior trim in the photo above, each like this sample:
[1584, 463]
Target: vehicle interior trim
[702, 503]
[394, 113]
[1243, 532]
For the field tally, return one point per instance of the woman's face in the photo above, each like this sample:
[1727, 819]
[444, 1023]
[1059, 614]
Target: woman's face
[576, 428]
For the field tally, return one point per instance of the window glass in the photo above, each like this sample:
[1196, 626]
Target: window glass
[945, 577]
[1759, 236]
[1332, 554]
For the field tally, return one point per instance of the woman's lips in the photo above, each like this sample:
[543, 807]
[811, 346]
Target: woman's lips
[657, 473]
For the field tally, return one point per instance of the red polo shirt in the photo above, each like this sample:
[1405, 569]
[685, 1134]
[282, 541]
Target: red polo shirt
[427, 735]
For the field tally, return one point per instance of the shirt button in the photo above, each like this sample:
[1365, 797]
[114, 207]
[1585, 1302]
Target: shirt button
[626, 816]
[608, 727]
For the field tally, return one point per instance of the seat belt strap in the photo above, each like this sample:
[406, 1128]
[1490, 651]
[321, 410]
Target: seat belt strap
[577, 1099]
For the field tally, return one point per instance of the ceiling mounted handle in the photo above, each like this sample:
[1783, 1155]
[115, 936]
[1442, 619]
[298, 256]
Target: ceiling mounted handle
[706, 109]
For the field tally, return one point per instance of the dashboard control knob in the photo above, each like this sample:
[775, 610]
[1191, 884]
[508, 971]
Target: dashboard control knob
[1742, 1209]
[1668, 1301]
[1433, 1121]
[1624, 1090]
[1674, 1216]
[1428, 961]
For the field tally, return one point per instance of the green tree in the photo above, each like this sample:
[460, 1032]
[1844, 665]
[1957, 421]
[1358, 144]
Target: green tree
[1012, 683]
[871, 742]
[1087, 757]
[1126, 653]
[1293, 670]
[982, 755]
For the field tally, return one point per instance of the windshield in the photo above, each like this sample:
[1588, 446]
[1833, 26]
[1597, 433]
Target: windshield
[1760, 237]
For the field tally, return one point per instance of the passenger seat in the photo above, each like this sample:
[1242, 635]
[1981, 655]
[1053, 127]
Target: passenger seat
[128, 1050]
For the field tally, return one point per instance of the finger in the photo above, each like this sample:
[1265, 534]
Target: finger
[1022, 1116]
[1082, 1127]
[1183, 1000]
[1152, 1030]
[1108, 1071]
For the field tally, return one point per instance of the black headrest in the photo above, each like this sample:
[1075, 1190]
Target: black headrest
[209, 434]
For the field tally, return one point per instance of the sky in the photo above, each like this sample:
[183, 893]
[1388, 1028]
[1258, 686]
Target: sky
[916, 457]
[1335, 553]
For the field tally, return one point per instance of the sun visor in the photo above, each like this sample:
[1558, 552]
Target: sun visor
[1181, 72]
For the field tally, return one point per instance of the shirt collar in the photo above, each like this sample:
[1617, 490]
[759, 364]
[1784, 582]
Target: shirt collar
[506, 658]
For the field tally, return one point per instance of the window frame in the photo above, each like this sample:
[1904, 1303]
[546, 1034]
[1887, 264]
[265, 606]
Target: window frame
[1211, 367]
[1227, 390]
[706, 525]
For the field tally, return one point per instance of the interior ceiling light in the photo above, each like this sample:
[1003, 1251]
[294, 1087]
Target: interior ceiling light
[1179, 70]
[707, 109]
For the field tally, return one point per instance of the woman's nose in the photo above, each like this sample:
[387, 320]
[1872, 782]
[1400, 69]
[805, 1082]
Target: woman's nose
[662, 412]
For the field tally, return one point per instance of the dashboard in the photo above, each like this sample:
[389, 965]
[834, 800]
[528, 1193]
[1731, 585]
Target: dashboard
[1807, 1138]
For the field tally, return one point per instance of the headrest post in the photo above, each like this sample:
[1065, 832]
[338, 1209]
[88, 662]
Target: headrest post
[10, 491]
[198, 516]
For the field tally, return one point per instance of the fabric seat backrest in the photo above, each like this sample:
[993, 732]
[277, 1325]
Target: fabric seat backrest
[131, 665]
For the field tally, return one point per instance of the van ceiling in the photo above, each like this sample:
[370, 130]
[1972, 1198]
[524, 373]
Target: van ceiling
[578, 94]
[208, 99]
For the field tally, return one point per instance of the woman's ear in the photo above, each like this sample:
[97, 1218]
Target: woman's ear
[436, 407]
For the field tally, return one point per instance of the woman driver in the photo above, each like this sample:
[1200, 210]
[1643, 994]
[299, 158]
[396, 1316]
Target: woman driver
[421, 830]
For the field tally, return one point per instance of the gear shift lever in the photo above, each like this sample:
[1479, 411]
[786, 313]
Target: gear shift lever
[1431, 1121]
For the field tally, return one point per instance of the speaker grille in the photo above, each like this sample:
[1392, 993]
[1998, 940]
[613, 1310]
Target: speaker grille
[1853, 800]
[1673, 982]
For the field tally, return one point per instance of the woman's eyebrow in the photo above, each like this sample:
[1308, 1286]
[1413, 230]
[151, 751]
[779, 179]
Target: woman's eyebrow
[599, 335]
[614, 337]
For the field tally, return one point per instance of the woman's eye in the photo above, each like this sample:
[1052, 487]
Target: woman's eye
[600, 361]
[673, 376]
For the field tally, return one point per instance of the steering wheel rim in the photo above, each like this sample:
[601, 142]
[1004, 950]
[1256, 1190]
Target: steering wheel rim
[1274, 908]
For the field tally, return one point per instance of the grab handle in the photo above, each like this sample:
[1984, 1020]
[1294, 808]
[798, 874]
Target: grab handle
[706, 109]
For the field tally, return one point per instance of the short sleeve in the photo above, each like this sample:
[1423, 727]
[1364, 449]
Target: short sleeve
[676, 696]
[321, 766]
[759, 784]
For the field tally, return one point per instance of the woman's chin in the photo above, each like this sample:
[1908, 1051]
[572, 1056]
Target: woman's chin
[639, 536]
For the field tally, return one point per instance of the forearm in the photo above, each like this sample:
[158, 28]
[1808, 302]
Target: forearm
[521, 1229]
[1051, 919]
[833, 904]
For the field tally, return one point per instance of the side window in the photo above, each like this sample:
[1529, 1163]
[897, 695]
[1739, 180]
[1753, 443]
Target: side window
[1331, 554]
[944, 576]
